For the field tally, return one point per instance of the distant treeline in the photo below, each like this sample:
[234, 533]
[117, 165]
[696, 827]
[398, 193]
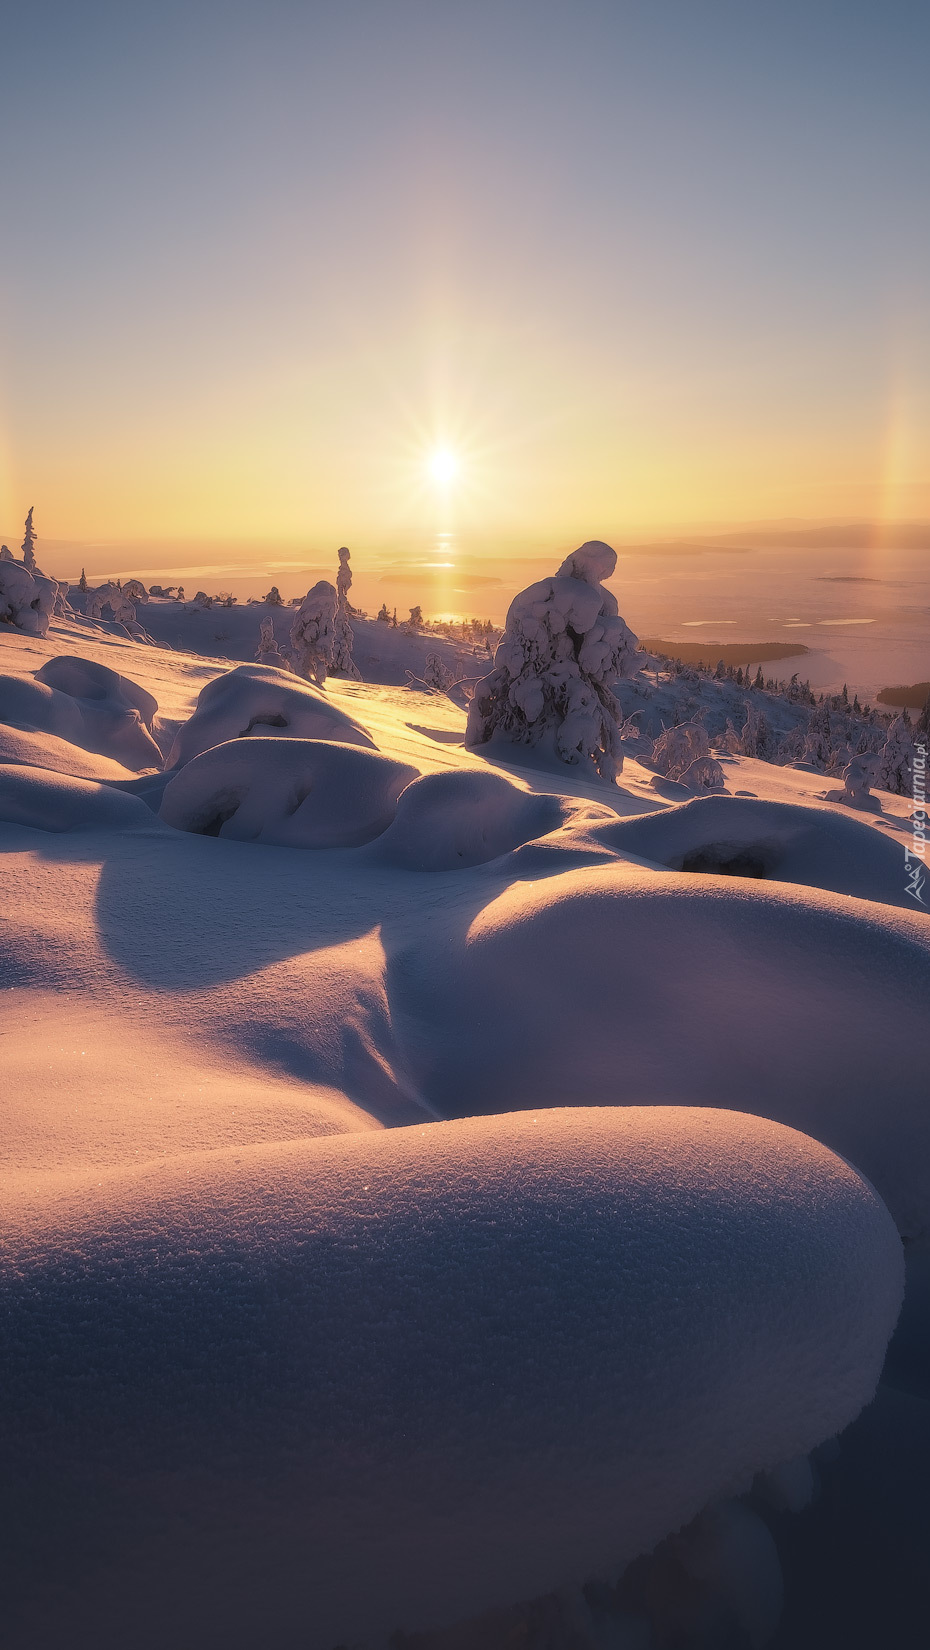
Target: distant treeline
[732, 653]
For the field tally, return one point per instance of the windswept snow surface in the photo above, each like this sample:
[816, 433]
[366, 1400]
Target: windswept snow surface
[349, 1386]
[389, 929]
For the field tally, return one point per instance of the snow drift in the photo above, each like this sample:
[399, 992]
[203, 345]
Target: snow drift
[107, 720]
[61, 802]
[323, 1391]
[297, 793]
[446, 821]
[644, 987]
[262, 699]
[735, 836]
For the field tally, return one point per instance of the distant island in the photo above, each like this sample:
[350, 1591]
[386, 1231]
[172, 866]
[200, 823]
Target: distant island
[910, 698]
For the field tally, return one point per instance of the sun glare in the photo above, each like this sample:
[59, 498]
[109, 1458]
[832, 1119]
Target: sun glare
[443, 465]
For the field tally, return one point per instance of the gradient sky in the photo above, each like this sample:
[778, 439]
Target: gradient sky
[640, 266]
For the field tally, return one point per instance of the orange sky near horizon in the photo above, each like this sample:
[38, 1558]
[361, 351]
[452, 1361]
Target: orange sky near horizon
[639, 271]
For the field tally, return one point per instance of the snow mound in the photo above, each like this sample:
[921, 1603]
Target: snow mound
[263, 699]
[318, 1392]
[645, 987]
[736, 836]
[46, 750]
[27, 598]
[110, 723]
[116, 714]
[35, 708]
[297, 793]
[98, 685]
[445, 821]
[60, 802]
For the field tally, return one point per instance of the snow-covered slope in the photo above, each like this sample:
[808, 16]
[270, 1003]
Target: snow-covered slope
[316, 1393]
[206, 971]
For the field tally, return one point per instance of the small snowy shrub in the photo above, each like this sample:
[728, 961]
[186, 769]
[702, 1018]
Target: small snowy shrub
[677, 748]
[268, 652]
[704, 774]
[563, 644]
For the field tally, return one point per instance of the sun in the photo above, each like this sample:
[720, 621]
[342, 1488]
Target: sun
[443, 466]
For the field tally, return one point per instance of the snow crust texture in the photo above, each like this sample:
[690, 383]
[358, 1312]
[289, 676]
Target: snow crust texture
[298, 793]
[263, 700]
[385, 1381]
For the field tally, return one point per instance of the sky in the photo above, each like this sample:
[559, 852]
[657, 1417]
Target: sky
[635, 268]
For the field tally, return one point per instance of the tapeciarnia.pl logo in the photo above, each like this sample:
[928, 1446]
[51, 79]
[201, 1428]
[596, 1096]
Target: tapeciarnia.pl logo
[916, 854]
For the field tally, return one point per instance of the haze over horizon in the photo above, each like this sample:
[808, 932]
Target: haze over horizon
[634, 269]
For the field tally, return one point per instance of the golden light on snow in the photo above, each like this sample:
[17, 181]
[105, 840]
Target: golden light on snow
[443, 465]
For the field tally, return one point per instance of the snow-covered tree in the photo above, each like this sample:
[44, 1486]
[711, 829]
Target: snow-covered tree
[274, 597]
[135, 590]
[6, 553]
[383, 613]
[896, 758]
[269, 653]
[313, 637]
[343, 635]
[757, 738]
[344, 577]
[82, 581]
[27, 600]
[564, 643]
[415, 621]
[29, 558]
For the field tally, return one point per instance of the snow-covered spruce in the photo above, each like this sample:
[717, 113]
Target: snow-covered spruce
[678, 747]
[896, 759]
[28, 544]
[313, 633]
[343, 663]
[563, 645]
[324, 1390]
[296, 793]
[260, 699]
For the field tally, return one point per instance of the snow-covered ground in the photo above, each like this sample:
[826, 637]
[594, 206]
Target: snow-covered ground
[431, 1184]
